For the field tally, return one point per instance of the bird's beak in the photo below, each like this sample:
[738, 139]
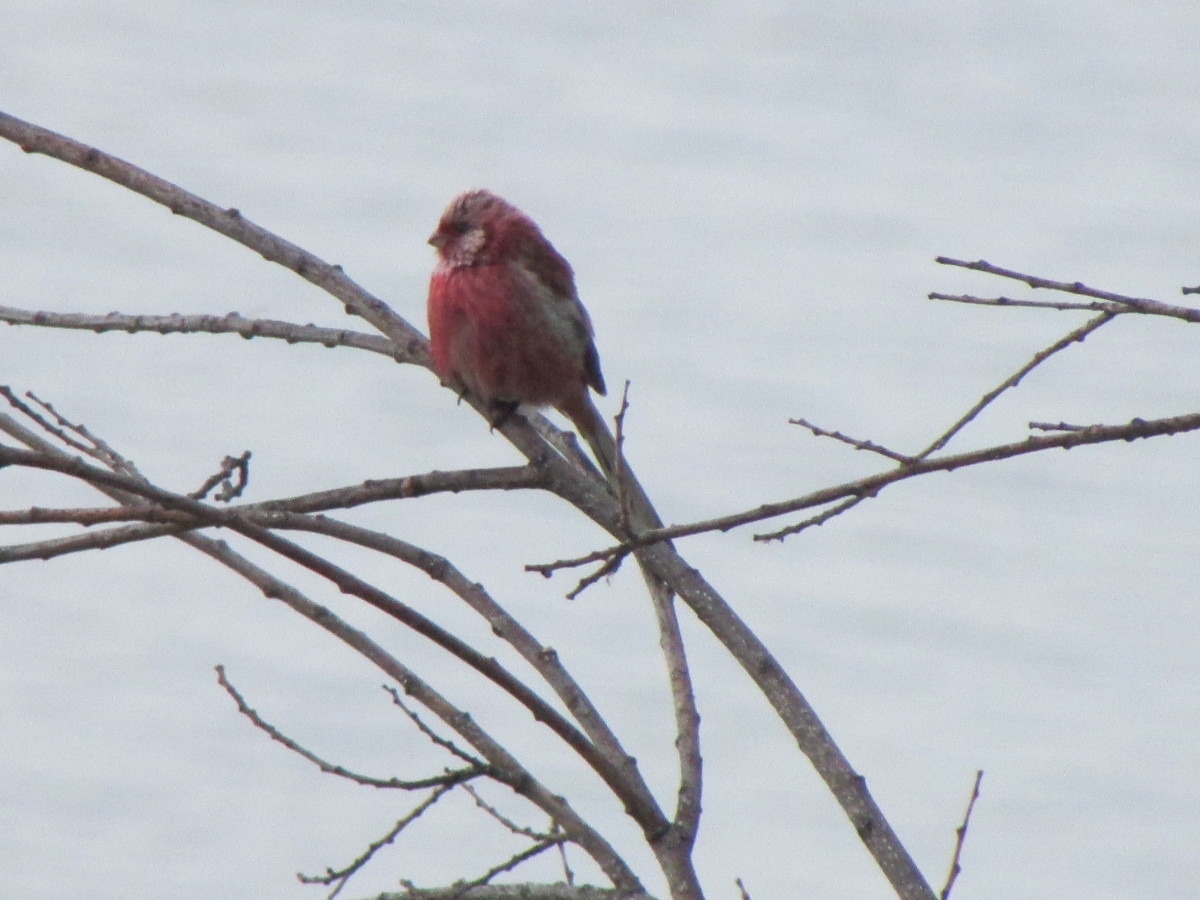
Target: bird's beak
[437, 239]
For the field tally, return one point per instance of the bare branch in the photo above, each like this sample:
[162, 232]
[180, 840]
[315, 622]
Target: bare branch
[174, 521]
[960, 838]
[542, 658]
[1073, 287]
[449, 778]
[62, 429]
[857, 444]
[445, 743]
[1062, 305]
[508, 865]
[514, 892]
[339, 877]
[90, 515]
[1076, 336]
[1056, 426]
[504, 820]
[814, 521]
[410, 345]
[230, 488]
[175, 323]
[686, 822]
[505, 767]
[871, 484]
[1109, 301]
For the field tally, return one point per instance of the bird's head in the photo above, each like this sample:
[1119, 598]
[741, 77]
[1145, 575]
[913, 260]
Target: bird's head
[477, 228]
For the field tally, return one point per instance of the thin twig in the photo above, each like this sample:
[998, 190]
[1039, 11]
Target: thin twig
[505, 767]
[857, 444]
[1056, 426]
[462, 888]
[450, 778]
[619, 473]
[1076, 336]
[504, 820]
[568, 872]
[1136, 429]
[1036, 281]
[1062, 305]
[960, 838]
[502, 478]
[445, 743]
[610, 565]
[819, 519]
[339, 877]
[63, 429]
[175, 323]
[230, 488]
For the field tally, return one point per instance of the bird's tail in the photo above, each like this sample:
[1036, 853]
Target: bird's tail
[591, 426]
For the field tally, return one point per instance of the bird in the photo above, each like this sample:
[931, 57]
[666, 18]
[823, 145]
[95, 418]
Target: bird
[506, 325]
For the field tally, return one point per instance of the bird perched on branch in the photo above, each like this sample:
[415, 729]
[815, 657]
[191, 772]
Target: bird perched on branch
[505, 321]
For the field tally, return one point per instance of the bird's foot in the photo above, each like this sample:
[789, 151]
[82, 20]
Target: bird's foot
[503, 411]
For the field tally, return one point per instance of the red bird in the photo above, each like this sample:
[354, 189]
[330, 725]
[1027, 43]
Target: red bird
[505, 320]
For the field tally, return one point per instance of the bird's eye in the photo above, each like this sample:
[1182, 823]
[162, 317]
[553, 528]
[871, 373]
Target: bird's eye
[460, 226]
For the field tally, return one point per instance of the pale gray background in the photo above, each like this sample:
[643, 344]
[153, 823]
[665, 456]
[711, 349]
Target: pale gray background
[752, 194]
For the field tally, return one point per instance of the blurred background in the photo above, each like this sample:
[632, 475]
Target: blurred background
[752, 195]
